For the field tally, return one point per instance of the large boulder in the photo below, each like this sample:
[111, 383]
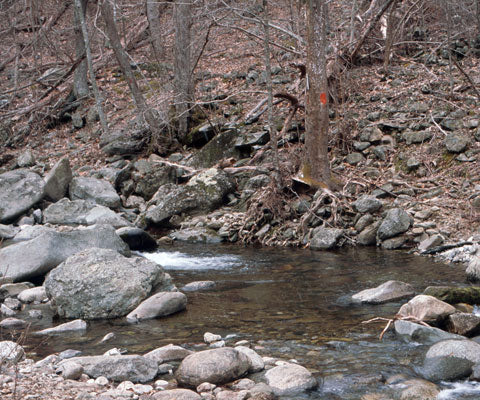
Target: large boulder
[98, 191]
[455, 295]
[465, 324]
[451, 359]
[124, 142]
[396, 221]
[325, 238]
[216, 366]
[133, 368]
[159, 305]
[36, 257]
[19, 190]
[100, 283]
[11, 352]
[204, 192]
[58, 179]
[82, 212]
[367, 204]
[410, 331]
[149, 175]
[167, 353]
[290, 379]
[388, 291]
[426, 308]
[136, 238]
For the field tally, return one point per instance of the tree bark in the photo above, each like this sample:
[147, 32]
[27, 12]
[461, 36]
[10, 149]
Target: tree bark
[80, 81]
[316, 168]
[160, 138]
[98, 97]
[183, 65]
[154, 9]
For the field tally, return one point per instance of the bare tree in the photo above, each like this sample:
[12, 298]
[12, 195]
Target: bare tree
[154, 11]
[80, 82]
[184, 87]
[161, 139]
[316, 168]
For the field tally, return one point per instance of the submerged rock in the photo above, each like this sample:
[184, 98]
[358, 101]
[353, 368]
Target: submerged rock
[422, 334]
[388, 291]
[159, 305]
[73, 326]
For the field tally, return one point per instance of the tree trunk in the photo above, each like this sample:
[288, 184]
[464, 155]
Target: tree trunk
[98, 97]
[316, 168]
[154, 8]
[152, 119]
[183, 65]
[80, 82]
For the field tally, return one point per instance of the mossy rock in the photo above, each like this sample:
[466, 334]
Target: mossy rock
[455, 295]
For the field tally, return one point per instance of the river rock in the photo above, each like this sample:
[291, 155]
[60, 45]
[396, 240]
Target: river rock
[395, 222]
[325, 238]
[176, 394]
[426, 308]
[11, 351]
[70, 370]
[220, 147]
[8, 232]
[363, 222]
[429, 243]
[196, 235]
[101, 283]
[77, 325]
[29, 232]
[198, 285]
[204, 192]
[12, 323]
[216, 366]
[13, 289]
[132, 368]
[7, 311]
[256, 361]
[34, 294]
[367, 204]
[450, 360]
[290, 379]
[98, 191]
[455, 295]
[419, 389]
[159, 305]
[368, 236]
[58, 179]
[124, 142]
[149, 175]
[422, 334]
[473, 269]
[19, 190]
[464, 324]
[38, 256]
[388, 291]
[137, 239]
[168, 353]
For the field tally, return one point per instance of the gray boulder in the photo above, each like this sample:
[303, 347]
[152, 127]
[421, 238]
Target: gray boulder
[220, 147]
[215, 366]
[396, 221]
[422, 334]
[120, 142]
[367, 204]
[204, 192]
[176, 394]
[256, 361]
[29, 232]
[290, 379]
[149, 175]
[198, 285]
[159, 305]
[137, 239]
[38, 256]
[456, 143]
[82, 212]
[168, 353]
[58, 179]
[11, 351]
[132, 368]
[426, 308]
[8, 231]
[450, 360]
[473, 269]
[70, 370]
[98, 191]
[418, 389]
[325, 238]
[26, 159]
[77, 325]
[100, 283]
[196, 235]
[368, 236]
[32, 294]
[19, 190]
[388, 291]
[465, 324]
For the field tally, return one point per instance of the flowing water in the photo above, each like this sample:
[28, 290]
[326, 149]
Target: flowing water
[291, 304]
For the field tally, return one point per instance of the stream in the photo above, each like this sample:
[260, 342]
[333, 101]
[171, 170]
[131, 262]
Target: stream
[290, 304]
